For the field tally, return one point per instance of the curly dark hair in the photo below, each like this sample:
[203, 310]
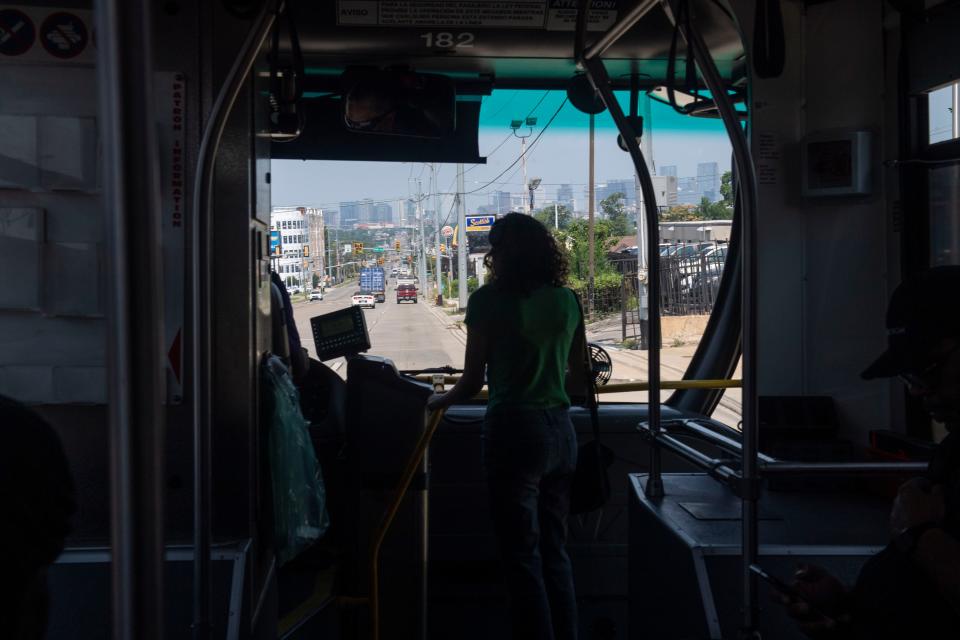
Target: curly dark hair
[527, 255]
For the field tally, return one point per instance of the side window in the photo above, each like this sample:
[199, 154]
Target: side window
[943, 118]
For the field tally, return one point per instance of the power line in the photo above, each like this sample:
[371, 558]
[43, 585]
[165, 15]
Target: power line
[539, 102]
[532, 144]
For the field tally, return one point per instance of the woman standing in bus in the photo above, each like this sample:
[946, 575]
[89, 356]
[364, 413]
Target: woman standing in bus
[522, 328]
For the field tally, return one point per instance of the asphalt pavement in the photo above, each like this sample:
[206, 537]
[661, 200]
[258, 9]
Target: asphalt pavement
[414, 336]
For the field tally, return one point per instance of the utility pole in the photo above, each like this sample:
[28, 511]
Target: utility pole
[530, 123]
[436, 209]
[422, 262]
[336, 241]
[590, 225]
[523, 162]
[462, 240]
[556, 217]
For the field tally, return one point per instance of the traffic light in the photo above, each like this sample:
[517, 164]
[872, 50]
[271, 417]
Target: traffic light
[306, 251]
[443, 248]
[396, 245]
[379, 260]
[358, 247]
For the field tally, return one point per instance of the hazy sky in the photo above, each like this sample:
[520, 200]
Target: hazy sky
[560, 156]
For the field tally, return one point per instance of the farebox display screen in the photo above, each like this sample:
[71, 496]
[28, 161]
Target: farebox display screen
[335, 325]
[340, 333]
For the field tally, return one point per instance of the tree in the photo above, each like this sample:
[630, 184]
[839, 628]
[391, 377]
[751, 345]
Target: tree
[726, 188]
[575, 241]
[679, 213]
[707, 210]
[546, 216]
[614, 209]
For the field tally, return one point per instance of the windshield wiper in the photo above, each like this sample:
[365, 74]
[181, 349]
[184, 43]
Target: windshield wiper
[444, 369]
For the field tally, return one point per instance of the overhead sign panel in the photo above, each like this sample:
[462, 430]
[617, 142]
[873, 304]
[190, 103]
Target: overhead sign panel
[480, 223]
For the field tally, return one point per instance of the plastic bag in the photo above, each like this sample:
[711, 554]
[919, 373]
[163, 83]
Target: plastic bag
[299, 497]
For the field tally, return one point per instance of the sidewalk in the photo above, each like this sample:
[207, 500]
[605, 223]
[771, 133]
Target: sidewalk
[452, 322]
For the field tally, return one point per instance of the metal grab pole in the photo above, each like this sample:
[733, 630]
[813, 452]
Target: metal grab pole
[747, 185]
[615, 32]
[134, 313]
[201, 248]
[461, 241]
[598, 76]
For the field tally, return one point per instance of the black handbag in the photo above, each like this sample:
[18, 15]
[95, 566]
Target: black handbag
[591, 484]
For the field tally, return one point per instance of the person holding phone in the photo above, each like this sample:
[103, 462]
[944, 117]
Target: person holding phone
[522, 329]
[911, 589]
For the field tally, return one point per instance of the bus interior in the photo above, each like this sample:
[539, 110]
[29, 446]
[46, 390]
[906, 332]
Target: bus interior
[138, 319]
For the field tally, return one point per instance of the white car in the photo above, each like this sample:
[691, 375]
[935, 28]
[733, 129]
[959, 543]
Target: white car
[363, 299]
[316, 294]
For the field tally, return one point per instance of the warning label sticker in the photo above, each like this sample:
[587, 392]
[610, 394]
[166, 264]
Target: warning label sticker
[45, 35]
[553, 15]
[63, 35]
[563, 15]
[17, 32]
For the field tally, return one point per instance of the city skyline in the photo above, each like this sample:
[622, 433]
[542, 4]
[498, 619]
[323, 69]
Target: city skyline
[559, 157]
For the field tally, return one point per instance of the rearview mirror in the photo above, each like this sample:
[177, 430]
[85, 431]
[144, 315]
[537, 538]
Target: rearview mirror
[399, 103]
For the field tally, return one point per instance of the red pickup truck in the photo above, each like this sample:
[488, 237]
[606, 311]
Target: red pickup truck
[406, 292]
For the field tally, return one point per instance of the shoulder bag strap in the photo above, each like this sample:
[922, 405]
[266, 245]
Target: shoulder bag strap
[590, 378]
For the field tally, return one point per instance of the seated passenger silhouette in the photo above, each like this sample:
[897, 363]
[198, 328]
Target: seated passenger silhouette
[911, 589]
[522, 329]
[37, 495]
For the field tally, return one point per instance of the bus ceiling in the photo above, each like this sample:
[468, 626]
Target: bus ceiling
[498, 51]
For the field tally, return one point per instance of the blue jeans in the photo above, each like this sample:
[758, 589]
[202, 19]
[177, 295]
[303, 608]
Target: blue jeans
[530, 457]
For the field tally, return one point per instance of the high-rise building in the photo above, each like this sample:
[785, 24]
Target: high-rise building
[383, 213]
[669, 170]
[367, 212]
[708, 180]
[687, 191]
[665, 188]
[565, 196]
[410, 213]
[315, 258]
[501, 202]
[349, 214]
[626, 186]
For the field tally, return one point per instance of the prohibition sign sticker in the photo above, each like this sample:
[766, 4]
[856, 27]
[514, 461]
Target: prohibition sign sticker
[17, 32]
[63, 35]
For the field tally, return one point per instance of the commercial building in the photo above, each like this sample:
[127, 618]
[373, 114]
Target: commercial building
[287, 256]
[708, 180]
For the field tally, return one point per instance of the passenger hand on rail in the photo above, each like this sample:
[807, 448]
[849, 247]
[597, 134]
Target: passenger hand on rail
[917, 503]
[436, 401]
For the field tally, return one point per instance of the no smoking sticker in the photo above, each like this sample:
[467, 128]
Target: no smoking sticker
[17, 33]
[63, 35]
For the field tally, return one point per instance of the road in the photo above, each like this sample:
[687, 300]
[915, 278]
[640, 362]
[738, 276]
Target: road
[414, 336]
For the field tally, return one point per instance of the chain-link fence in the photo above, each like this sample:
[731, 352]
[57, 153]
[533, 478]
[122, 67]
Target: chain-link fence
[689, 280]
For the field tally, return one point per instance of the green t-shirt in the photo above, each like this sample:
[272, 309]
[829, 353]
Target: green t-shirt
[529, 340]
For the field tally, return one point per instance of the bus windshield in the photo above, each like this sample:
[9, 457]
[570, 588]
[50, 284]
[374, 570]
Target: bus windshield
[342, 221]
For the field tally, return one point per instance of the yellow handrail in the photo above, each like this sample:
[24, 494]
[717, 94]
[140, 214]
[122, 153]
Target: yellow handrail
[411, 469]
[622, 387]
[671, 384]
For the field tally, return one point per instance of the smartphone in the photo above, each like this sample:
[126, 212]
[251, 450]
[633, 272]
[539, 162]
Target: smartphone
[786, 589]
